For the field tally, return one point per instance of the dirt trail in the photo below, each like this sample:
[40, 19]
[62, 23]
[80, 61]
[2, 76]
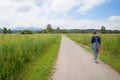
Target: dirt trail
[75, 63]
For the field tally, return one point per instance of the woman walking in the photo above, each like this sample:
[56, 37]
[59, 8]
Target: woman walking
[95, 42]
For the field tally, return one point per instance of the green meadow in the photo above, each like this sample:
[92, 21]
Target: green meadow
[18, 52]
[110, 47]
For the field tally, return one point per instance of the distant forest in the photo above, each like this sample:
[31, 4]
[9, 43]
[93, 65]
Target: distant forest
[49, 29]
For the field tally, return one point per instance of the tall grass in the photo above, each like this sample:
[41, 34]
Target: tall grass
[16, 51]
[42, 68]
[110, 47]
[81, 38]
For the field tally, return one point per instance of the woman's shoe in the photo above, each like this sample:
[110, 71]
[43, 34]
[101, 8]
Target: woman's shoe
[96, 62]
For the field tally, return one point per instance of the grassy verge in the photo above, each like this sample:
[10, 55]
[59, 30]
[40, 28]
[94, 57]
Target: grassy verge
[41, 68]
[114, 63]
[109, 48]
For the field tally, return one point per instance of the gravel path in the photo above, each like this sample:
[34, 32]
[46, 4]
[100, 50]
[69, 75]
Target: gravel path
[75, 63]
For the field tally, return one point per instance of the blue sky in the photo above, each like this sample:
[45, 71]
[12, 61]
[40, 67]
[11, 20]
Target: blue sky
[70, 14]
[104, 11]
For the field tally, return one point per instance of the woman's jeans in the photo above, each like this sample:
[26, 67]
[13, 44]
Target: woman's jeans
[95, 49]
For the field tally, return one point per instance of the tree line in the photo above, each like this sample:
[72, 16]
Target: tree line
[5, 31]
[49, 29]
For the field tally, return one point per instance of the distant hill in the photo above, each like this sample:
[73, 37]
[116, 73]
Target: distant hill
[31, 28]
[28, 28]
[82, 30]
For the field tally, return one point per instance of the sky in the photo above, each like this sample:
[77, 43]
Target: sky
[69, 14]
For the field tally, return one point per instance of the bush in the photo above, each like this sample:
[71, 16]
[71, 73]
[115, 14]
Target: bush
[26, 32]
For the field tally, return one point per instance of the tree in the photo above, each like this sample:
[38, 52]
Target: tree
[5, 30]
[116, 31]
[83, 31]
[9, 31]
[44, 31]
[103, 30]
[64, 31]
[49, 29]
[58, 30]
[26, 32]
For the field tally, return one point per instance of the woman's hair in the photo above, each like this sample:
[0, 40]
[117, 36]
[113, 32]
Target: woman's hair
[95, 32]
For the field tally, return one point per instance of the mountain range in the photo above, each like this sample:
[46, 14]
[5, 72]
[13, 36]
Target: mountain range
[28, 28]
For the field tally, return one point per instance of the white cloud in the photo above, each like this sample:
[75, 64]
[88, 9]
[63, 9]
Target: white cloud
[39, 13]
[24, 9]
[62, 5]
[114, 18]
[89, 4]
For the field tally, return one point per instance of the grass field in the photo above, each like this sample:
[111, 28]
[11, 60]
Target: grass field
[110, 47]
[17, 52]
